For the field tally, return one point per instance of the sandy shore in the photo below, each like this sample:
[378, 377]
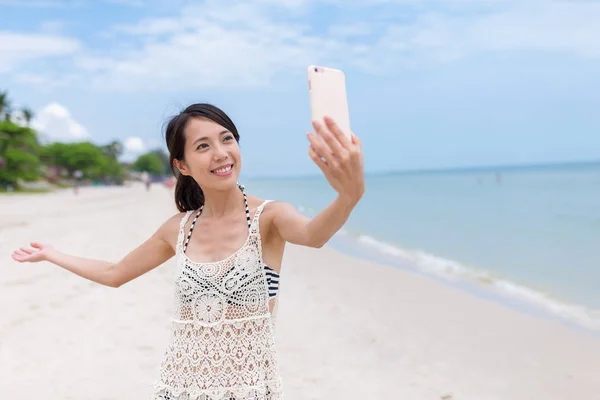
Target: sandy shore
[347, 328]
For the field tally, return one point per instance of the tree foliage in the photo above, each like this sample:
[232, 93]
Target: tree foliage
[95, 162]
[149, 162]
[19, 150]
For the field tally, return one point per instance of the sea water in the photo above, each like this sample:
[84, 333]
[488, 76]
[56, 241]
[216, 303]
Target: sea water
[530, 232]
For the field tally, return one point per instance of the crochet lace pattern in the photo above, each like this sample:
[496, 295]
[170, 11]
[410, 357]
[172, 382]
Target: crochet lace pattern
[222, 341]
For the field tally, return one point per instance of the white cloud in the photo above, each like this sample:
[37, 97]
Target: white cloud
[54, 122]
[236, 44]
[134, 145]
[17, 49]
[209, 46]
[231, 43]
[560, 28]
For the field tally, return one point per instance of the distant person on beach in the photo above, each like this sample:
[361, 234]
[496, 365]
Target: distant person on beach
[229, 247]
[146, 179]
[77, 175]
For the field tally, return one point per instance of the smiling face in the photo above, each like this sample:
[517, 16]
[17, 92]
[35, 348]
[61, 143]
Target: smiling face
[211, 155]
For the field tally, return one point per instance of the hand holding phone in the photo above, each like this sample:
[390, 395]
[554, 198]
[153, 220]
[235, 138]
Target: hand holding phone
[333, 147]
[327, 90]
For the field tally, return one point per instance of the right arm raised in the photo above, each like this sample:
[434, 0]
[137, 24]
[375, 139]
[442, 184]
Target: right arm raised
[149, 255]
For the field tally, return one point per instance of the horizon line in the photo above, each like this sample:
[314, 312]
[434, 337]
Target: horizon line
[472, 168]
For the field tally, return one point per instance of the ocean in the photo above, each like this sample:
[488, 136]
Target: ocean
[530, 234]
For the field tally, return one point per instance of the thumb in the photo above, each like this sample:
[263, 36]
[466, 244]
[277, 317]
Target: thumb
[36, 245]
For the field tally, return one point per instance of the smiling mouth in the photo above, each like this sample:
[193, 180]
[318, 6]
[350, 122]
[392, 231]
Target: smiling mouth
[223, 171]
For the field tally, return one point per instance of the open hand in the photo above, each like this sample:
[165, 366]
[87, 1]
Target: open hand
[340, 159]
[37, 252]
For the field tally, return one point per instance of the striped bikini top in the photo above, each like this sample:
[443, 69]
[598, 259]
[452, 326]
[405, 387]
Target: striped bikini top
[271, 276]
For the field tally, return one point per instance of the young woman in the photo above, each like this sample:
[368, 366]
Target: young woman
[228, 247]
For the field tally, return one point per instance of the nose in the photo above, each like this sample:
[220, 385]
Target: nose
[219, 153]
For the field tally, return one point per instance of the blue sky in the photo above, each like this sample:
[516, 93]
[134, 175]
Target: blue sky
[431, 83]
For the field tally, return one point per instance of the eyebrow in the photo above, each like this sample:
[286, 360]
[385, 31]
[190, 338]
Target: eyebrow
[206, 138]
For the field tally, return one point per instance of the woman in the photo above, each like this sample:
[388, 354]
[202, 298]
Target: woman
[229, 248]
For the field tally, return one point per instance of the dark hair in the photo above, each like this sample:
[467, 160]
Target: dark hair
[188, 194]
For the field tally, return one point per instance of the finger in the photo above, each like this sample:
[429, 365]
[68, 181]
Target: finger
[319, 147]
[317, 160]
[21, 256]
[26, 250]
[356, 140]
[339, 134]
[328, 137]
[37, 245]
[357, 152]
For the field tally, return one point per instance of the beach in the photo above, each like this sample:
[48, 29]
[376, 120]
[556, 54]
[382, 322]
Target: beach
[347, 328]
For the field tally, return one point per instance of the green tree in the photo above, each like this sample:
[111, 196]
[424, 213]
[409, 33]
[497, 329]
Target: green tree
[83, 156]
[164, 159]
[149, 162]
[113, 169]
[19, 149]
[113, 149]
[95, 162]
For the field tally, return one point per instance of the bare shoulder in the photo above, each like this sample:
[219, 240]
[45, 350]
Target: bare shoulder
[273, 212]
[169, 230]
[276, 207]
[271, 209]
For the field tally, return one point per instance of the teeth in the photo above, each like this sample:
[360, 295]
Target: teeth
[224, 169]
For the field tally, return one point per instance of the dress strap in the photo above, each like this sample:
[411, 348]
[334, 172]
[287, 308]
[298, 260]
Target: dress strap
[259, 210]
[182, 223]
[189, 235]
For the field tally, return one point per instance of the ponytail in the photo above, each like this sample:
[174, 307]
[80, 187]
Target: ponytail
[188, 194]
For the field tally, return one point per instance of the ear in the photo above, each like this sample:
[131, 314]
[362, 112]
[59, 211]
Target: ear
[180, 165]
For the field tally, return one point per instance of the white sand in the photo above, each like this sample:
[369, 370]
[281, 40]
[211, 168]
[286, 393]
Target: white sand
[347, 328]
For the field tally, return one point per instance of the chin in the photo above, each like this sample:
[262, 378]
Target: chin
[225, 183]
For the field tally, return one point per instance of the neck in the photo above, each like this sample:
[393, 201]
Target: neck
[218, 203]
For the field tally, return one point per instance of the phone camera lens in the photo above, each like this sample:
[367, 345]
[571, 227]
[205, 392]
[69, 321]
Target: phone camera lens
[316, 69]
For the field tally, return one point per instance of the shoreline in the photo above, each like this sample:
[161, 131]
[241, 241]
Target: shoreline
[346, 327]
[479, 283]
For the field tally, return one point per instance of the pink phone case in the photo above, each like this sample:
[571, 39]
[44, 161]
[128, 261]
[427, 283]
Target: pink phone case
[327, 89]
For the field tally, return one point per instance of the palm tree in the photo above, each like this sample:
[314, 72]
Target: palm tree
[113, 149]
[27, 115]
[5, 106]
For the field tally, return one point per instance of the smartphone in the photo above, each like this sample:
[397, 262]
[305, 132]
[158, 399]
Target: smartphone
[327, 91]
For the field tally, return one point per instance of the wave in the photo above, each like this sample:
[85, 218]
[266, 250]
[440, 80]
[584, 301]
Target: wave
[453, 270]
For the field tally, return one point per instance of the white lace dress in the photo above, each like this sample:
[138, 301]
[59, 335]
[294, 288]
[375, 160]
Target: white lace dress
[222, 343]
